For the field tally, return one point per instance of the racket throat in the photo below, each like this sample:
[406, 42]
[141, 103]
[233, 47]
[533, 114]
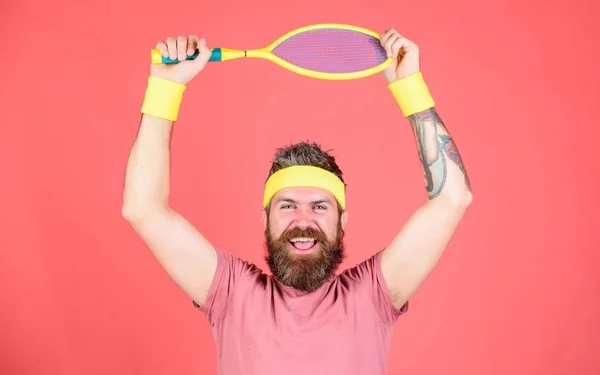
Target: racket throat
[224, 54]
[260, 54]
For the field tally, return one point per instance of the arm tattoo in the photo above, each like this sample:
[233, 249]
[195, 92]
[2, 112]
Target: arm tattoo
[435, 147]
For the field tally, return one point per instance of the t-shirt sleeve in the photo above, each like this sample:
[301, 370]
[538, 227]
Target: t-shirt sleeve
[370, 276]
[229, 271]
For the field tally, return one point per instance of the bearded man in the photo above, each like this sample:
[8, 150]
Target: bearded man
[304, 318]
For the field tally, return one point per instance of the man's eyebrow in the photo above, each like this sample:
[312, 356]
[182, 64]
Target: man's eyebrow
[290, 200]
[325, 200]
[284, 199]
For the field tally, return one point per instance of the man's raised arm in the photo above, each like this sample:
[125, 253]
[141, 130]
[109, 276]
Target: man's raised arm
[417, 248]
[184, 253]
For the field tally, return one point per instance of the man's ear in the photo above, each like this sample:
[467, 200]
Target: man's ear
[344, 219]
[263, 215]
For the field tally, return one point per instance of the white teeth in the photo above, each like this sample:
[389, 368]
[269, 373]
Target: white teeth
[302, 240]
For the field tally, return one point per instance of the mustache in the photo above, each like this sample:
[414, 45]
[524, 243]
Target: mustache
[296, 232]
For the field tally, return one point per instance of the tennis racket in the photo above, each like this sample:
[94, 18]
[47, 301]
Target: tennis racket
[324, 51]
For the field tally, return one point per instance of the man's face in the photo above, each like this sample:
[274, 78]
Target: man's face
[304, 237]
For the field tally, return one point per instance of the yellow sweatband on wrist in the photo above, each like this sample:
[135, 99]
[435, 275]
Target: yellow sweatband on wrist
[412, 94]
[163, 98]
[306, 176]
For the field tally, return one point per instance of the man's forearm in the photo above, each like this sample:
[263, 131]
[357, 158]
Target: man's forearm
[443, 169]
[147, 174]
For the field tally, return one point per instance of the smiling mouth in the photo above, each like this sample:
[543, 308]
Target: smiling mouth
[303, 244]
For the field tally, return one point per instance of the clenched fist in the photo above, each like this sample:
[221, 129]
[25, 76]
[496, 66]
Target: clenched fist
[404, 52]
[178, 48]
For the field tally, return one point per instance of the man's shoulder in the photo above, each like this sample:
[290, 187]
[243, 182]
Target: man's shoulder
[363, 268]
[237, 264]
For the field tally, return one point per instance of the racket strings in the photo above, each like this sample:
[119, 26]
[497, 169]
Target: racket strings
[332, 51]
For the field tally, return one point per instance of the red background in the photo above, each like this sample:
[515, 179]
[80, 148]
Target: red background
[517, 291]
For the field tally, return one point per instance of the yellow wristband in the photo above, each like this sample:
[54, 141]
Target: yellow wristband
[163, 98]
[412, 94]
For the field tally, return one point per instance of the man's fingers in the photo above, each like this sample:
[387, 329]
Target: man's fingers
[198, 44]
[181, 48]
[172, 47]
[385, 36]
[205, 52]
[387, 39]
[162, 47]
[389, 44]
[397, 45]
[193, 44]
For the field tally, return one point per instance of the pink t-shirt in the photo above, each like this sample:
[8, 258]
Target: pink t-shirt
[344, 327]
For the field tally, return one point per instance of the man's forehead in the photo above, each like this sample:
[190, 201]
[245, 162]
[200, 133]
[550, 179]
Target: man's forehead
[304, 194]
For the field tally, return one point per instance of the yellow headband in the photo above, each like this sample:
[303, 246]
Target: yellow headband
[304, 175]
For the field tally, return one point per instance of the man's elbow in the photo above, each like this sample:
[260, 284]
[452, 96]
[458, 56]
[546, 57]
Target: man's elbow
[136, 213]
[130, 214]
[459, 201]
[466, 199]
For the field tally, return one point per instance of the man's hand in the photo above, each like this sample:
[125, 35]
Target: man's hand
[404, 52]
[179, 48]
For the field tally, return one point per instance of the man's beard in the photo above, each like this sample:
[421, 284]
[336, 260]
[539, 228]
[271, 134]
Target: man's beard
[305, 272]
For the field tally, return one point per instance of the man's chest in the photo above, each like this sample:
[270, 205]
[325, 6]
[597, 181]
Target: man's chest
[278, 333]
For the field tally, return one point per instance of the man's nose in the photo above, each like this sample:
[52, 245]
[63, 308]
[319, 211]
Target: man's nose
[304, 218]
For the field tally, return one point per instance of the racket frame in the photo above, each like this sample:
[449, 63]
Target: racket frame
[225, 54]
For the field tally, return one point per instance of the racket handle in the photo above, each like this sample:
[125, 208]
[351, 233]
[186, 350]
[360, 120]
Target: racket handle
[218, 54]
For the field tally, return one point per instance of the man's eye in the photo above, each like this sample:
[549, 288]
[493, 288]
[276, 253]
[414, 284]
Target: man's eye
[321, 207]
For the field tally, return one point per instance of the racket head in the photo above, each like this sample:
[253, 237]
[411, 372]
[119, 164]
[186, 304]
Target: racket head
[330, 51]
